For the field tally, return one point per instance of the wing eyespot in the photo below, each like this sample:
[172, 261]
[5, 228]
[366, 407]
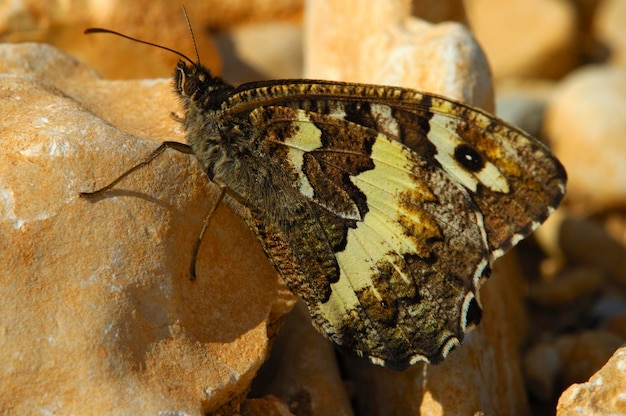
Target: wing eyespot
[469, 158]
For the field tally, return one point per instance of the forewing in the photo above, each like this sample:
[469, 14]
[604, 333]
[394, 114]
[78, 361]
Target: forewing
[513, 179]
[407, 240]
[405, 198]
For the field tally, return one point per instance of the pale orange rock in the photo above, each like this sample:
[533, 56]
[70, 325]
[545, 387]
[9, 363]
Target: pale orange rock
[568, 286]
[158, 21]
[98, 312]
[602, 394]
[587, 242]
[585, 123]
[617, 325]
[552, 366]
[265, 406]
[585, 353]
[302, 370]
[384, 44]
[609, 29]
[542, 367]
[525, 38]
[522, 102]
[267, 50]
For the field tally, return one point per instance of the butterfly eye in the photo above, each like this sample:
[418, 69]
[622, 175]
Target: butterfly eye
[469, 158]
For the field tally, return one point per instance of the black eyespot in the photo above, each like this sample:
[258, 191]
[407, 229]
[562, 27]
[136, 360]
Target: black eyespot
[469, 158]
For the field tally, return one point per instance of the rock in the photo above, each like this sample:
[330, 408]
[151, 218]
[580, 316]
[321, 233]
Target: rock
[156, 21]
[267, 406]
[251, 53]
[385, 45]
[439, 11]
[585, 241]
[603, 394]
[525, 38]
[97, 303]
[585, 353]
[302, 370]
[617, 325]
[542, 367]
[608, 28]
[567, 360]
[567, 287]
[523, 102]
[585, 124]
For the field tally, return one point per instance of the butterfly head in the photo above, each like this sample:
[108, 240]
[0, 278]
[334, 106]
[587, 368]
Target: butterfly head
[195, 85]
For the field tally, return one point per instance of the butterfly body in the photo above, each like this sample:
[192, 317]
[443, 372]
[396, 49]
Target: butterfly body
[381, 207]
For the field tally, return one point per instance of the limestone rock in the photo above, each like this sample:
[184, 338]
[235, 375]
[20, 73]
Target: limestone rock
[603, 394]
[525, 38]
[567, 287]
[585, 123]
[98, 310]
[568, 359]
[156, 21]
[587, 242]
[384, 44]
[609, 29]
[302, 370]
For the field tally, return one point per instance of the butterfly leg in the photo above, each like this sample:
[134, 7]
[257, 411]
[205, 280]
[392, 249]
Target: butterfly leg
[180, 147]
[177, 118]
[205, 226]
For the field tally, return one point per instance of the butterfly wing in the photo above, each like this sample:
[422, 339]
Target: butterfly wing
[388, 244]
[386, 250]
[512, 177]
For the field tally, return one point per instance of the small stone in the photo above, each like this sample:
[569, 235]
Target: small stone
[525, 38]
[603, 394]
[617, 325]
[251, 52]
[523, 102]
[439, 11]
[586, 242]
[550, 367]
[542, 366]
[266, 406]
[386, 45]
[609, 29]
[585, 125]
[302, 370]
[566, 287]
[582, 354]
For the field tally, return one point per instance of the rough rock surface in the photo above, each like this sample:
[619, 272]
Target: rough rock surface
[603, 394]
[98, 309]
[384, 44]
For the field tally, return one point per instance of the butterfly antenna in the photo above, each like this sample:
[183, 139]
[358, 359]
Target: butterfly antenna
[100, 30]
[193, 38]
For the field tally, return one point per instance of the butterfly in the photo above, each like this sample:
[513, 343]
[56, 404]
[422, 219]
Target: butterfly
[381, 207]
